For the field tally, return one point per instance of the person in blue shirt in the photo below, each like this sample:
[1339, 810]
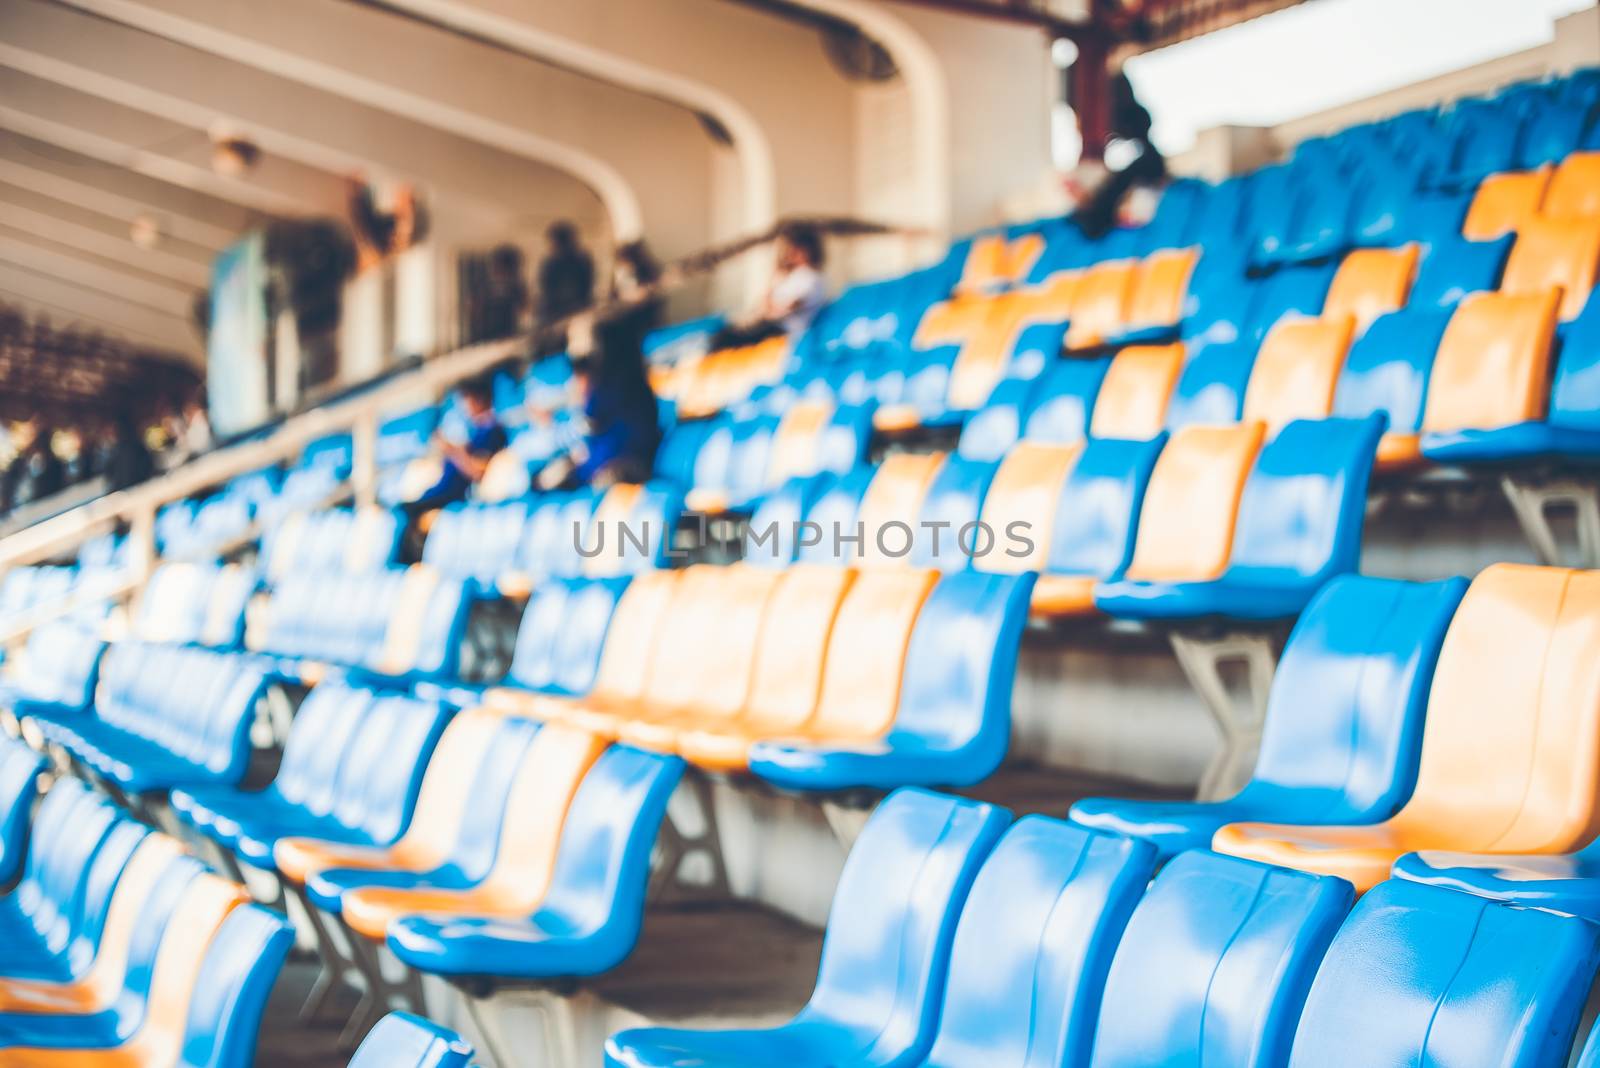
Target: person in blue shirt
[613, 407]
[464, 461]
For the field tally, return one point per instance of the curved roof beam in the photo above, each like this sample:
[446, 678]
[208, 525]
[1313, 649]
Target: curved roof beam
[286, 118]
[613, 139]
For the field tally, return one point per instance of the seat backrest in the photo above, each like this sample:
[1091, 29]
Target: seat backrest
[1386, 370]
[1464, 979]
[886, 950]
[1212, 385]
[1291, 292]
[680, 659]
[602, 869]
[640, 617]
[1512, 739]
[1492, 367]
[1100, 302]
[994, 428]
[401, 1040]
[1066, 396]
[866, 652]
[1504, 203]
[1026, 490]
[959, 670]
[1574, 191]
[746, 610]
[1191, 502]
[20, 768]
[1301, 512]
[553, 765]
[786, 680]
[1098, 510]
[894, 496]
[836, 509]
[384, 764]
[589, 607]
[1132, 400]
[533, 658]
[986, 352]
[1215, 963]
[1371, 282]
[949, 511]
[1344, 719]
[1564, 253]
[229, 995]
[59, 666]
[1296, 370]
[1159, 288]
[319, 735]
[1455, 268]
[1034, 944]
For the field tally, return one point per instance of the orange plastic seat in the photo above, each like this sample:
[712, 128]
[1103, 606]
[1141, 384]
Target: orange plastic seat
[1510, 743]
[1159, 288]
[1574, 191]
[1296, 370]
[721, 670]
[207, 901]
[895, 495]
[952, 321]
[1026, 489]
[402, 637]
[536, 808]
[1132, 402]
[1372, 282]
[1100, 303]
[1504, 202]
[794, 450]
[1492, 368]
[986, 352]
[1563, 253]
[441, 805]
[786, 676]
[1187, 518]
[640, 615]
[988, 265]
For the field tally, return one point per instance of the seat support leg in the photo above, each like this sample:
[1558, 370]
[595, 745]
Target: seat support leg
[1238, 716]
[1532, 503]
[689, 859]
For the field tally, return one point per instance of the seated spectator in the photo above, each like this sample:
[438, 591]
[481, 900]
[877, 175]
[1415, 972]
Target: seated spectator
[796, 294]
[465, 461]
[566, 285]
[614, 410]
[1145, 168]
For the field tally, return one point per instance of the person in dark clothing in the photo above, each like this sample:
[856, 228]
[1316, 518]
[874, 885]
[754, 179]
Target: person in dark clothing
[614, 408]
[504, 297]
[566, 275]
[130, 461]
[1129, 122]
[636, 305]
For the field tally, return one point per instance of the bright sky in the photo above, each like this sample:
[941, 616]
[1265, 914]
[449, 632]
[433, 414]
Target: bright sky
[1325, 53]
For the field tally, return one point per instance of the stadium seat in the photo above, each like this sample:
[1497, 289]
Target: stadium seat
[1513, 716]
[1215, 963]
[1563, 882]
[1489, 388]
[350, 773]
[1372, 282]
[1100, 303]
[585, 917]
[559, 640]
[884, 957]
[146, 735]
[952, 721]
[1555, 253]
[1299, 518]
[1154, 309]
[1504, 203]
[1386, 372]
[950, 510]
[529, 823]
[20, 769]
[1131, 402]
[336, 539]
[1211, 386]
[1343, 724]
[198, 604]
[1064, 401]
[402, 1040]
[896, 494]
[1574, 191]
[1463, 979]
[1296, 370]
[1453, 269]
[475, 542]
[56, 672]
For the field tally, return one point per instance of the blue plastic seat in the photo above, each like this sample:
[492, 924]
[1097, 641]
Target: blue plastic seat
[835, 509]
[1421, 975]
[952, 503]
[1034, 944]
[1552, 132]
[1386, 371]
[953, 722]
[885, 955]
[475, 542]
[1455, 268]
[563, 628]
[1344, 720]
[1325, 224]
[57, 672]
[1211, 386]
[590, 917]
[1297, 290]
[997, 426]
[1215, 963]
[350, 774]
[1564, 882]
[1484, 143]
[1063, 403]
[774, 535]
[401, 1040]
[1299, 525]
[20, 768]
